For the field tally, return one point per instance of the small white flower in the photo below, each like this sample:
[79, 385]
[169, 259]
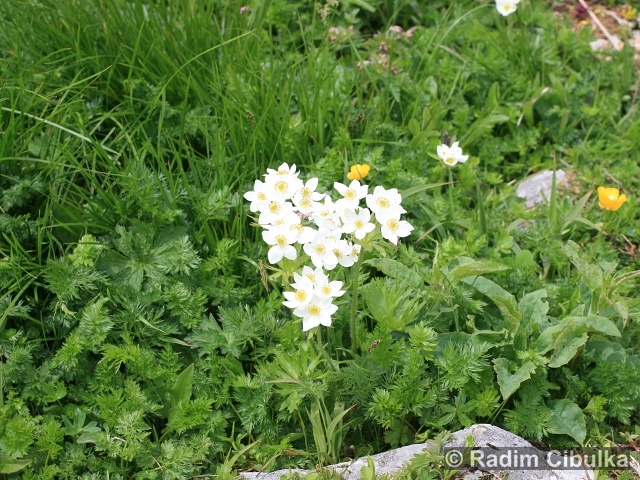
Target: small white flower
[395, 228]
[314, 275]
[451, 155]
[328, 290]
[282, 186]
[326, 216]
[385, 204]
[342, 251]
[258, 197]
[320, 249]
[302, 296]
[308, 190]
[506, 7]
[317, 312]
[351, 194]
[275, 211]
[281, 239]
[358, 223]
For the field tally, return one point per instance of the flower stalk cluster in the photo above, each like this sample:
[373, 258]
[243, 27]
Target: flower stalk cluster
[297, 220]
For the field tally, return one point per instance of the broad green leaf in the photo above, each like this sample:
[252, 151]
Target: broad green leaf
[568, 419]
[510, 382]
[396, 270]
[181, 391]
[505, 302]
[474, 268]
[12, 465]
[599, 348]
[533, 311]
[592, 274]
[567, 350]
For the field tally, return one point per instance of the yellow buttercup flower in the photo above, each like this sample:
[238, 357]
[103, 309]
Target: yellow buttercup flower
[610, 198]
[358, 171]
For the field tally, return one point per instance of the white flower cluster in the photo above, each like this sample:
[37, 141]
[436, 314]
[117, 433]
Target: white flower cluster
[293, 213]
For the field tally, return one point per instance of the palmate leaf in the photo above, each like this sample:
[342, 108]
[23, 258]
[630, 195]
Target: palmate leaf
[398, 271]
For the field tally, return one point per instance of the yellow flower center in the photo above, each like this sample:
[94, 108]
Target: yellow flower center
[350, 194]
[359, 224]
[325, 289]
[393, 224]
[274, 207]
[305, 192]
[301, 295]
[383, 202]
[311, 276]
[281, 240]
[320, 249]
[450, 161]
[305, 203]
[282, 186]
[314, 310]
[337, 253]
[283, 172]
[261, 196]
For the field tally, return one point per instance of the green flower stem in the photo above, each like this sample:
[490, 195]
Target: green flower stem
[451, 190]
[320, 348]
[355, 346]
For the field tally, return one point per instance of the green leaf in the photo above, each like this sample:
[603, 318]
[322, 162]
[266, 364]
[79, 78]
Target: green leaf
[181, 391]
[12, 465]
[533, 312]
[510, 382]
[420, 188]
[505, 302]
[568, 419]
[474, 268]
[396, 270]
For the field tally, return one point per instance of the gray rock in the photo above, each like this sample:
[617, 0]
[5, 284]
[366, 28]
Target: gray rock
[499, 442]
[536, 188]
[483, 436]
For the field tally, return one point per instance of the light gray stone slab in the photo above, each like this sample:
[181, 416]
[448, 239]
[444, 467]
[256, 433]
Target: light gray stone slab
[483, 436]
[536, 188]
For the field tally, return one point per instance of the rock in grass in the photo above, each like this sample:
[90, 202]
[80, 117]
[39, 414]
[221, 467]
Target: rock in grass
[536, 188]
[485, 436]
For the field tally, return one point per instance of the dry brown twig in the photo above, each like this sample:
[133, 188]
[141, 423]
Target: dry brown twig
[616, 44]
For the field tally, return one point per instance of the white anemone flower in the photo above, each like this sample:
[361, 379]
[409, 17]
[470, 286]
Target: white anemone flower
[385, 204]
[351, 195]
[283, 185]
[358, 223]
[275, 211]
[258, 197]
[301, 296]
[320, 249]
[394, 229]
[328, 290]
[342, 251]
[317, 312]
[451, 155]
[280, 239]
[506, 7]
[326, 216]
[315, 275]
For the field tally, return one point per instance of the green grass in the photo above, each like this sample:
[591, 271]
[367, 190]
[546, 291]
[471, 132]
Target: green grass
[131, 131]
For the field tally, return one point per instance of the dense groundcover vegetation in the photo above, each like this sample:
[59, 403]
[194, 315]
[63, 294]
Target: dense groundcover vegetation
[142, 331]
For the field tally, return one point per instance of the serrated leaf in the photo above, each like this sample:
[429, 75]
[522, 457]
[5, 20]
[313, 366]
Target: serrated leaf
[568, 419]
[510, 382]
[398, 271]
